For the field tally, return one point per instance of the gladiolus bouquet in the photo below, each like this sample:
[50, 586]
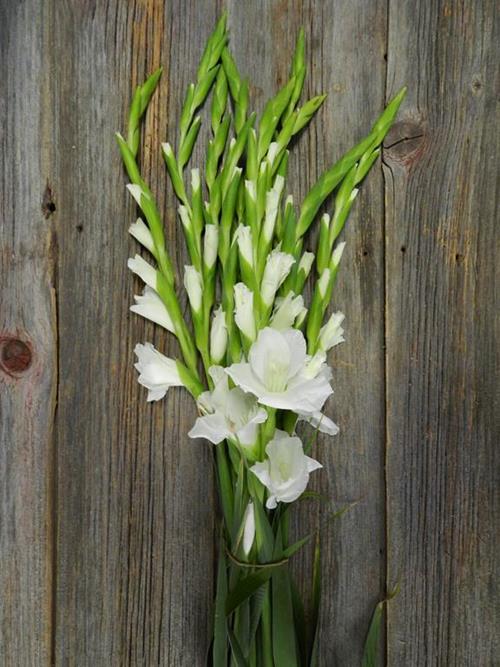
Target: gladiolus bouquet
[254, 353]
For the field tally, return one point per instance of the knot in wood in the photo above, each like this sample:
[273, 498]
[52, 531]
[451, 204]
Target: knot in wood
[404, 142]
[15, 356]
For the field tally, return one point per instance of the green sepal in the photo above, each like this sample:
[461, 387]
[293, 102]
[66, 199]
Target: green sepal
[187, 145]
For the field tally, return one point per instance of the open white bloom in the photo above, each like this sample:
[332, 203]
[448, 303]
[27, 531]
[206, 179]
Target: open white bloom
[278, 265]
[140, 231]
[143, 269]
[150, 306]
[332, 333]
[193, 283]
[285, 472]
[156, 371]
[286, 311]
[210, 245]
[248, 528]
[276, 372]
[218, 336]
[230, 413]
[243, 310]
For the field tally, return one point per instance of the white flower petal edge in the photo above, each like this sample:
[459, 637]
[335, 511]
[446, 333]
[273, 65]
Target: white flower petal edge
[278, 373]
[230, 413]
[321, 422]
[150, 306]
[156, 371]
[285, 472]
[143, 269]
[140, 231]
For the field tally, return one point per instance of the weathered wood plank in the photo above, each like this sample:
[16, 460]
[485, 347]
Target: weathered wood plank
[443, 329]
[135, 511]
[345, 44]
[28, 358]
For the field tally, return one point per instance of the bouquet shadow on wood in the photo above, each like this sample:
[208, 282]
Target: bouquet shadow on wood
[253, 354]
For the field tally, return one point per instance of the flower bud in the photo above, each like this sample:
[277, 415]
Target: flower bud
[156, 371]
[336, 255]
[272, 203]
[243, 237]
[323, 282]
[306, 262]
[210, 245]
[150, 306]
[278, 265]
[194, 287]
[218, 336]
[332, 333]
[286, 311]
[145, 271]
[243, 310]
[140, 231]
[248, 528]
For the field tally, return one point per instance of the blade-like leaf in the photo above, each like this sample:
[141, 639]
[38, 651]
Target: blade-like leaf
[248, 585]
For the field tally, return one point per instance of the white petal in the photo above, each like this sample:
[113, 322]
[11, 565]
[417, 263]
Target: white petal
[261, 471]
[278, 265]
[297, 346]
[156, 371]
[218, 336]
[143, 269]
[241, 374]
[210, 245]
[150, 306]
[286, 311]
[211, 427]
[140, 231]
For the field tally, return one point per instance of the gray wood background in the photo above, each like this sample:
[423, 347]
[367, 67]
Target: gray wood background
[106, 507]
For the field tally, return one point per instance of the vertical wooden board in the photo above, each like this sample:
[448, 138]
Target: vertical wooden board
[442, 336]
[27, 345]
[345, 44]
[135, 499]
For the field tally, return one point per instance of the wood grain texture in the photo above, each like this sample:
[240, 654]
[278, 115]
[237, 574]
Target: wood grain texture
[107, 533]
[28, 382]
[135, 512]
[442, 336]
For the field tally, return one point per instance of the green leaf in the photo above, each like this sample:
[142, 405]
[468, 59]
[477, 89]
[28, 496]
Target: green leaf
[283, 628]
[372, 639]
[316, 599]
[220, 632]
[238, 656]
[247, 585]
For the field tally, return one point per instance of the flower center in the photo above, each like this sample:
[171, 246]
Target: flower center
[276, 375]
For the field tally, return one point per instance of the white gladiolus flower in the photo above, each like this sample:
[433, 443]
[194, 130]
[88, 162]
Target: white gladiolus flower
[323, 282]
[306, 262]
[218, 336]
[285, 472]
[272, 203]
[337, 254]
[332, 333]
[210, 245]
[156, 371]
[248, 528]
[276, 372]
[278, 265]
[145, 271]
[150, 306]
[229, 413]
[193, 283]
[140, 231]
[286, 311]
[243, 236]
[243, 310]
